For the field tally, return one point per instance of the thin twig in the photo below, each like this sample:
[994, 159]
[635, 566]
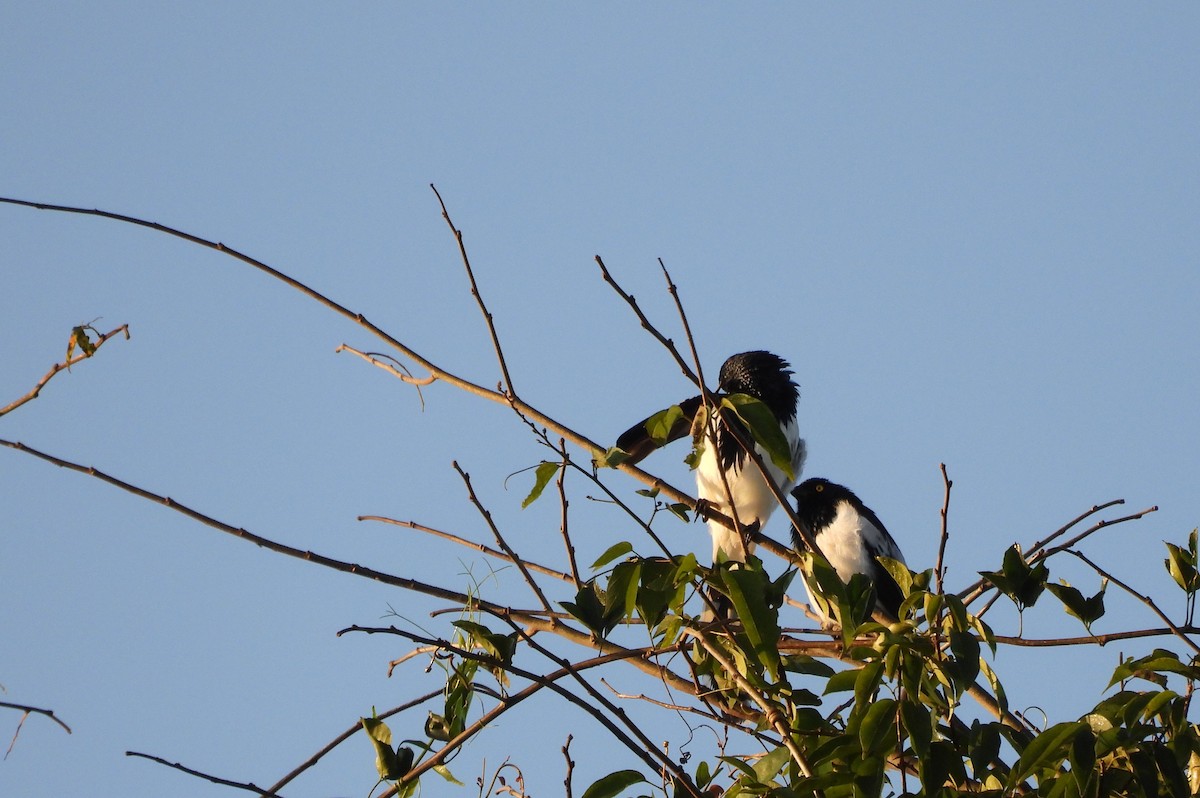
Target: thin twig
[566, 752]
[346, 735]
[487, 316]
[247, 786]
[480, 547]
[487, 517]
[939, 570]
[770, 711]
[1149, 602]
[65, 365]
[548, 681]
[49, 713]
[650, 328]
[1092, 639]
[564, 505]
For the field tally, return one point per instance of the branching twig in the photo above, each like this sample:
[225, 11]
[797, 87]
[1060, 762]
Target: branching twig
[487, 517]
[65, 365]
[650, 328]
[1149, 602]
[770, 711]
[548, 681]
[566, 752]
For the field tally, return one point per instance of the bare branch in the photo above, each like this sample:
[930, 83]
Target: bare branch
[487, 316]
[247, 786]
[480, 547]
[564, 505]
[939, 570]
[49, 713]
[650, 328]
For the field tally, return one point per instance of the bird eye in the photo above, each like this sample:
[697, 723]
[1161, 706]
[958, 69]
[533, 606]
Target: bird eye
[820, 488]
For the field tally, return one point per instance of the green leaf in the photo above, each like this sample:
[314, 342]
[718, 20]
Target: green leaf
[662, 425]
[918, 723]
[437, 727]
[1087, 610]
[611, 458]
[1017, 579]
[1045, 751]
[387, 762]
[445, 773]
[899, 571]
[877, 734]
[1182, 566]
[545, 472]
[613, 784]
[841, 682]
[680, 510]
[769, 766]
[764, 428]
[747, 589]
[1152, 666]
[611, 553]
[587, 608]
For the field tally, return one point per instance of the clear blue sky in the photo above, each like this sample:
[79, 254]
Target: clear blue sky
[971, 228]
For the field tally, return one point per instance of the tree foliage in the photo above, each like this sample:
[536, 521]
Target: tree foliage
[909, 705]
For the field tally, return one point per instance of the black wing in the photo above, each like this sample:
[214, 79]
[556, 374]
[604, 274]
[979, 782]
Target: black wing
[636, 440]
[879, 543]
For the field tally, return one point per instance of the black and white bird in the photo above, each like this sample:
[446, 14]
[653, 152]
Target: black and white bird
[765, 377]
[849, 535]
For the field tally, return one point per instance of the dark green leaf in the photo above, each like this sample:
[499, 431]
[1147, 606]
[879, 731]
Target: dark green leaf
[611, 553]
[918, 724]
[746, 587]
[545, 472]
[764, 428]
[680, 510]
[587, 608]
[877, 733]
[1045, 751]
[613, 784]
[387, 763]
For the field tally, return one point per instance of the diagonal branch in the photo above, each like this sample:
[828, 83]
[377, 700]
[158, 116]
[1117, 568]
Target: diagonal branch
[63, 366]
[487, 516]
[483, 549]
[346, 735]
[247, 786]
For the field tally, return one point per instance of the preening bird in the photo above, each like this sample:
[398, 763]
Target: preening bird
[765, 377]
[849, 535]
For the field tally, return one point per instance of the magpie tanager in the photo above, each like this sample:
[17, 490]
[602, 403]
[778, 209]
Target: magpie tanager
[765, 377]
[849, 535]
